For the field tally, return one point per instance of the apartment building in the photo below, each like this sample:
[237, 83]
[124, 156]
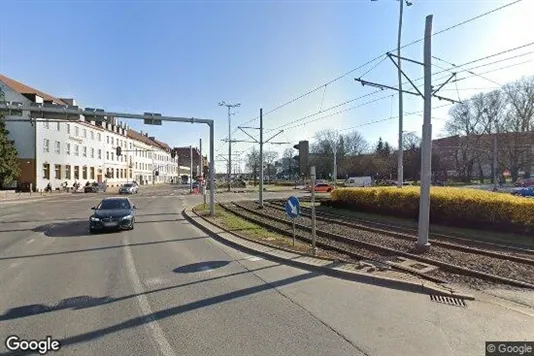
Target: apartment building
[60, 151]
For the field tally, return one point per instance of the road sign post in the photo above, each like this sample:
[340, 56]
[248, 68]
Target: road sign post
[293, 211]
[313, 227]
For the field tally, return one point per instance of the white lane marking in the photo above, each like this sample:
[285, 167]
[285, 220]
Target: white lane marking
[30, 241]
[154, 282]
[254, 258]
[144, 305]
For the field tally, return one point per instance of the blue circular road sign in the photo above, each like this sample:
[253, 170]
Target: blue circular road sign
[293, 207]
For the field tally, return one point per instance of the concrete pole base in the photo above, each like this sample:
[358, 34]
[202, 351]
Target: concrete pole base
[422, 247]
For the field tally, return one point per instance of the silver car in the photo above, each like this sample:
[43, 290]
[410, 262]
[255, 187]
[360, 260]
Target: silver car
[129, 188]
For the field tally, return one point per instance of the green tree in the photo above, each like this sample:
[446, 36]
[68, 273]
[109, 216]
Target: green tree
[9, 162]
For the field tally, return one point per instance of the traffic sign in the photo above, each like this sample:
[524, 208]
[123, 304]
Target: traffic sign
[293, 207]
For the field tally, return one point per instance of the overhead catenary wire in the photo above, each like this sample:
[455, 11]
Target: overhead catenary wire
[291, 125]
[436, 79]
[502, 7]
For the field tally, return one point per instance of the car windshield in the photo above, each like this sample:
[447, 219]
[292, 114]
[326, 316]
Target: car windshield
[128, 185]
[114, 204]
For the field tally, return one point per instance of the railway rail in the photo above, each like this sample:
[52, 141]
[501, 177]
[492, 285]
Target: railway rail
[511, 253]
[359, 243]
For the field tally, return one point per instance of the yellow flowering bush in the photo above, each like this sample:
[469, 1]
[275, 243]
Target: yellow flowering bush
[452, 206]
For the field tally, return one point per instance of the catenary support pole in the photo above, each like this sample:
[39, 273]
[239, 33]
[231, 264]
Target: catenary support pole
[400, 167]
[229, 149]
[313, 219]
[212, 169]
[190, 169]
[261, 158]
[426, 154]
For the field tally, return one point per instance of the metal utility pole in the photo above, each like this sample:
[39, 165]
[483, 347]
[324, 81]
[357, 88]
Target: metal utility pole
[191, 169]
[261, 142]
[495, 161]
[314, 225]
[200, 165]
[229, 106]
[261, 158]
[426, 147]
[400, 164]
[335, 146]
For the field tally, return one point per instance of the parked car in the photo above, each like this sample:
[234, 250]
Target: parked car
[129, 188]
[95, 188]
[112, 214]
[524, 192]
[322, 188]
[524, 182]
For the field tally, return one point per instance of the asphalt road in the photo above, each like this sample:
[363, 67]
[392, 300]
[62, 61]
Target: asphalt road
[167, 289]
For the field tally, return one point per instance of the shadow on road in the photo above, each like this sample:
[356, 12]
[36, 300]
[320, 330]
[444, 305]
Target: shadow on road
[201, 266]
[83, 302]
[65, 229]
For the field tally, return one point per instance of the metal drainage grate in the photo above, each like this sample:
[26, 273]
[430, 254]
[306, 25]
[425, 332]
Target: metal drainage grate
[457, 302]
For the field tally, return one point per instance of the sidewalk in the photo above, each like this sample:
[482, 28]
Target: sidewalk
[368, 274]
[10, 195]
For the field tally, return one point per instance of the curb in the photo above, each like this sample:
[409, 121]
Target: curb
[330, 270]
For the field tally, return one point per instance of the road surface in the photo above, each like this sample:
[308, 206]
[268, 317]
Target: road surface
[166, 288]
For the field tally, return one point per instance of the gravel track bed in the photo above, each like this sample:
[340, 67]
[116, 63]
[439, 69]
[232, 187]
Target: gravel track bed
[473, 261]
[406, 230]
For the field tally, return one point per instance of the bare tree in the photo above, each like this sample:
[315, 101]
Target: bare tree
[253, 163]
[355, 143]
[289, 165]
[467, 122]
[269, 157]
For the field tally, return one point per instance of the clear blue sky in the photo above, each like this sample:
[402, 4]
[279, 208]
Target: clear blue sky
[183, 57]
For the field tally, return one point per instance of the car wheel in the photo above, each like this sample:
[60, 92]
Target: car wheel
[132, 227]
[91, 231]
[329, 190]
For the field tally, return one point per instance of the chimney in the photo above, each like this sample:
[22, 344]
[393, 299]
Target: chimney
[141, 132]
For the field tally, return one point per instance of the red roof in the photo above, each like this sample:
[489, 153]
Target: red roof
[24, 89]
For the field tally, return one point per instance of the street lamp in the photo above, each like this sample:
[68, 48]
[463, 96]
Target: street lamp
[400, 168]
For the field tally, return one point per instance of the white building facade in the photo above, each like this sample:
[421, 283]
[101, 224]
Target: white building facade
[56, 152]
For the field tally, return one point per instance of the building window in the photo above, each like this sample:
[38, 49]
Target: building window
[107, 139]
[58, 147]
[57, 168]
[76, 131]
[46, 171]
[112, 141]
[68, 129]
[84, 133]
[135, 165]
[46, 145]
[93, 173]
[67, 172]
[130, 174]
[58, 127]
[99, 154]
[112, 156]
[67, 148]
[47, 124]
[84, 172]
[76, 172]
[76, 150]
[99, 137]
[84, 151]
[92, 152]
[107, 155]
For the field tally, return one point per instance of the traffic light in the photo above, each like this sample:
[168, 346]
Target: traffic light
[302, 157]
[118, 151]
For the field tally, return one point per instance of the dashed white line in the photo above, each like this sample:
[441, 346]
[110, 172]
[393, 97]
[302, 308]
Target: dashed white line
[143, 303]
